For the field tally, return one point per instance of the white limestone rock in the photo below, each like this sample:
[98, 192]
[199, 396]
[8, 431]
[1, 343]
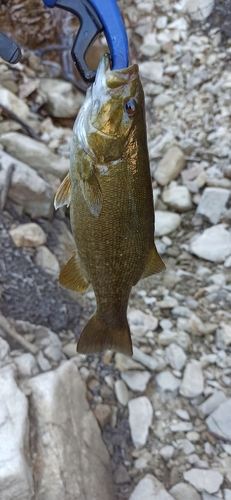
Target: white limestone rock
[154, 362]
[175, 356]
[150, 488]
[178, 198]
[140, 419]
[136, 380]
[34, 153]
[182, 491]
[16, 481]
[170, 166]
[47, 261]
[28, 235]
[192, 384]
[13, 103]
[166, 222]
[150, 46]
[26, 365]
[5, 359]
[223, 336]
[212, 203]
[27, 188]
[140, 322]
[121, 392]
[151, 70]
[199, 10]
[218, 421]
[214, 244]
[204, 479]
[167, 384]
[63, 100]
[211, 403]
[66, 424]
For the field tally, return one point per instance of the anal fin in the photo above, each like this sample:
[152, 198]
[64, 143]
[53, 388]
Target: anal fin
[72, 276]
[63, 195]
[154, 264]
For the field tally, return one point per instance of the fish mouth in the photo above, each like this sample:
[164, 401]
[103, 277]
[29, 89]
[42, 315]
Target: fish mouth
[113, 79]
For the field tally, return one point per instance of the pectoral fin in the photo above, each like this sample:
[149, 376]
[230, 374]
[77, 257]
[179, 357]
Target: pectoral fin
[63, 195]
[72, 276]
[92, 193]
[154, 264]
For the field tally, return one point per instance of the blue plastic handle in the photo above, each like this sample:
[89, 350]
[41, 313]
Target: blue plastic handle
[114, 29]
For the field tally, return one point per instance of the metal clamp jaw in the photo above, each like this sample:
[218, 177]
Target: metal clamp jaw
[96, 16]
[9, 50]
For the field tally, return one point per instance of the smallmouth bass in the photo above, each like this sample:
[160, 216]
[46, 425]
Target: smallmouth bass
[111, 205]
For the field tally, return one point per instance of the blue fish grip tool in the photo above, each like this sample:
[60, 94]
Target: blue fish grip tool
[96, 16]
[9, 50]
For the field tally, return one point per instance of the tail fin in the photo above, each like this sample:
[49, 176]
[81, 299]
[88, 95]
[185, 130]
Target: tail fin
[97, 336]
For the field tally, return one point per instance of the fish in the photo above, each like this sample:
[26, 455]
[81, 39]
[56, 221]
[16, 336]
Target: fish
[109, 191]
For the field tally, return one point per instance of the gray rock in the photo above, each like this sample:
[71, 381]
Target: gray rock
[199, 10]
[167, 384]
[66, 423]
[181, 427]
[188, 447]
[14, 104]
[182, 491]
[63, 100]
[204, 480]
[121, 391]
[26, 365]
[214, 244]
[140, 419]
[34, 153]
[43, 362]
[140, 322]
[151, 71]
[170, 166]
[183, 414]
[210, 404]
[28, 235]
[5, 359]
[166, 452]
[223, 336]
[154, 363]
[149, 488]
[166, 222]
[207, 496]
[162, 100]
[27, 189]
[219, 421]
[227, 494]
[15, 474]
[136, 380]
[181, 311]
[192, 384]
[123, 363]
[150, 46]
[47, 261]
[175, 356]
[195, 325]
[177, 197]
[212, 203]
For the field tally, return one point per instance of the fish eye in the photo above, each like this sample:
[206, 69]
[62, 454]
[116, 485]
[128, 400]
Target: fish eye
[130, 107]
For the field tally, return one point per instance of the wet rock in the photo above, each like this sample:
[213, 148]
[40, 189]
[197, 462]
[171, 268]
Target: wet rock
[26, 365]
[121, 391]
[16, 479]
[28, 235]
[140, 419]
[170, 166]
[63, 100]
[103, 414]
[219, 421]
[204, 480]
[46, 260]
[149, 488]
[213, 244]
[166, 222]
[151, 70]
[136, 380]
[66, 424]
[34, 153]
[210, 404]
[167, 384]
[140, 322]
[199, 10]
[27, 189]
[212, 203]
[177, 197]
[182, 491]
[193, 372]
[176, 356]
[14, 104]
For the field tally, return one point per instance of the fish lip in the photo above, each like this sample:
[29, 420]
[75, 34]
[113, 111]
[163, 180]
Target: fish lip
[108, 79]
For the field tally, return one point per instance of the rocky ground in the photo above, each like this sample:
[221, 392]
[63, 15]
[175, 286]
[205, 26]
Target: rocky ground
[164, 414]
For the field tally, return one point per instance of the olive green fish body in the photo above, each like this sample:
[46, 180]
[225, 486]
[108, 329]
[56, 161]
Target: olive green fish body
[112, 217]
